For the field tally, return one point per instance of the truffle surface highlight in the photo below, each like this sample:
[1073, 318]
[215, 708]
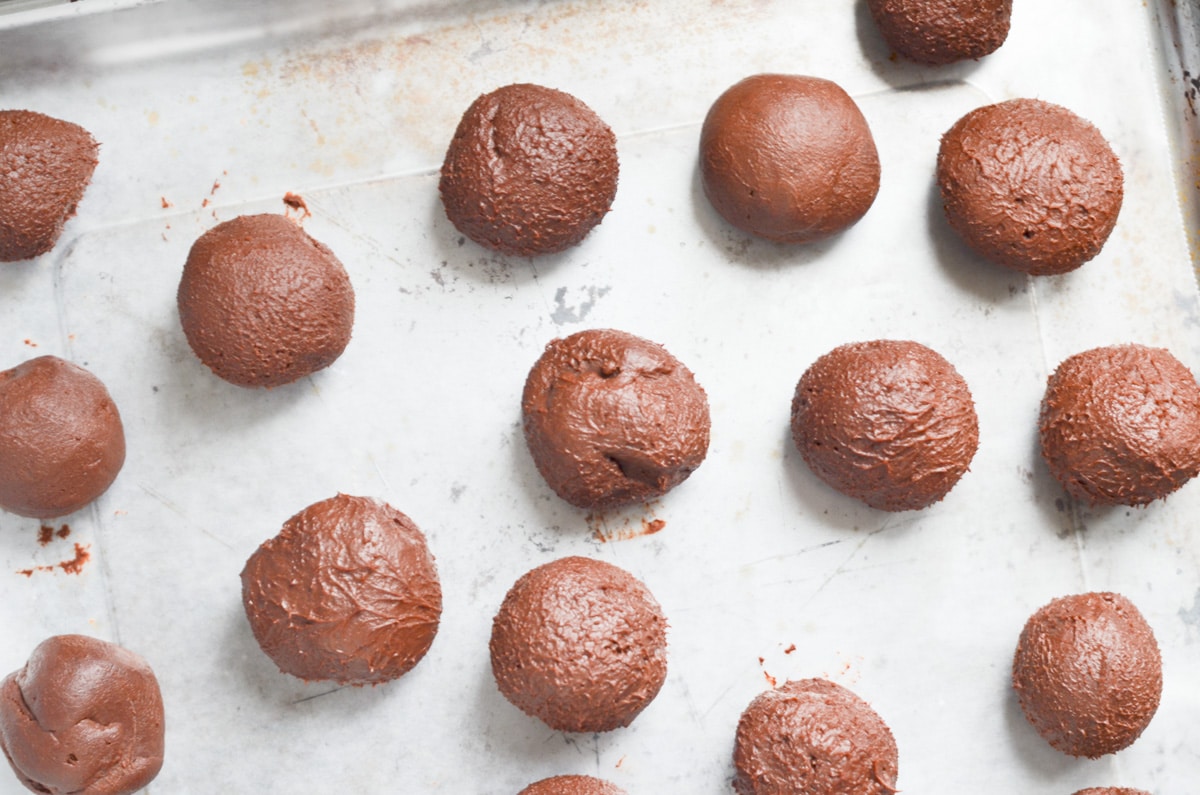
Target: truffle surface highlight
[572, 785]
[939, 32]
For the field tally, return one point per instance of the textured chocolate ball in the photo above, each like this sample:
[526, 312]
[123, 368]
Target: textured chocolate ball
[47, 164]
[1111, 791]
[815, 737]
[938, 32]
[1088, 673]
[888, 422]
[1030, 185]
[262, 303]
[612, 419]
[83, 717]
[347, 592]
[1120, 425]
[61, 438]
[788, 158]
[579, 644]
[530, 171]
[572, 785]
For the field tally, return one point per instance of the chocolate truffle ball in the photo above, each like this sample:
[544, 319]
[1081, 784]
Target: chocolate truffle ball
[1120, 425]
[1088, 673]
[61, 439]
[815, 737]
[612, 419]
[262, 303]
[1111, 791]
[83, 717]
[887, 422]
[47, 164]
[572, 785]
[788, 158]
[530, 171]
[346, 592]
[1030, 185]
[580, 644]
[939, 32]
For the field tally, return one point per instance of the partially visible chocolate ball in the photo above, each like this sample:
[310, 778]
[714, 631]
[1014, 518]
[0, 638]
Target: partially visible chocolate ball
[1120, 425]
[938, 32]
[888, 422]
[45, 165]
[83, 717]
[263, 304]
[815, 737]
[1111, 791]
[347, 592]
[579, 644]
[788, 158]
[572, 785]
[61, 438]
[1088, 673]
[1030, 185]
[530, 171]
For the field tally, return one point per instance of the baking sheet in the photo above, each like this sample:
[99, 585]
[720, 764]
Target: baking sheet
[916, 612]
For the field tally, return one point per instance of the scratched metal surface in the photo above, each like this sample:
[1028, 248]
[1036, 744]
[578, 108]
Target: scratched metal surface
[210, 110]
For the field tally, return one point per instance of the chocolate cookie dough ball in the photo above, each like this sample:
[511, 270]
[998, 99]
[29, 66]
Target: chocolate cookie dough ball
[1120, 425]
[1088, 673]
[815, 737]
[262, 303]
[83, 717]
[346, 592]
[61, 439]
[572, 785]
[1030, 185]
[46, 164]
[612, 419]
[1111, 791]
[887, 422]
[939, 32]
[788, 158]
[530, 171]
[579, 644]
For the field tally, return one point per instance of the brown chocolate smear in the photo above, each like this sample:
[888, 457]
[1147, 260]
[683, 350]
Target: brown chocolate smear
[1030, 185]
[940, 32]
[1120, 425]
[815, 737]
[263, 304]
[61, 439]
[83, 717]
[347, 592]
[891, 423]
[572, 785]
[580, 644]
[788, 158]
[1088, 673]
[1111, 791]
[530, 171]
[47, 164]
[612, 419]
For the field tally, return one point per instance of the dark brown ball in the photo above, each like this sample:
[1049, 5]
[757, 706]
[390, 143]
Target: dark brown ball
[1111, 791]
[1120, 425]
[1030, 185]
[572, 785]
[888, 422]
[263, 304]
[530, 171]
[1088, 673]
[938, 32]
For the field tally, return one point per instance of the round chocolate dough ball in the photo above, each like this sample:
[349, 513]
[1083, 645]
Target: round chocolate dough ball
[1030, 185]
[1111, 791]
[572, 785]
[612, 419]
[887, 422]
[938, 32]
[815, 737]
[46, 165]
[347, 592]
[788, 158]
[1088, 673]
[1120, 425]
[83, 717]
[579, 644]
[530, 171]
[262, 303]
[61, 439]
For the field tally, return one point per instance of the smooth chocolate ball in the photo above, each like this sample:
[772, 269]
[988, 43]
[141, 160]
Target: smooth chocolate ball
[938, 32]
[572, 785]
